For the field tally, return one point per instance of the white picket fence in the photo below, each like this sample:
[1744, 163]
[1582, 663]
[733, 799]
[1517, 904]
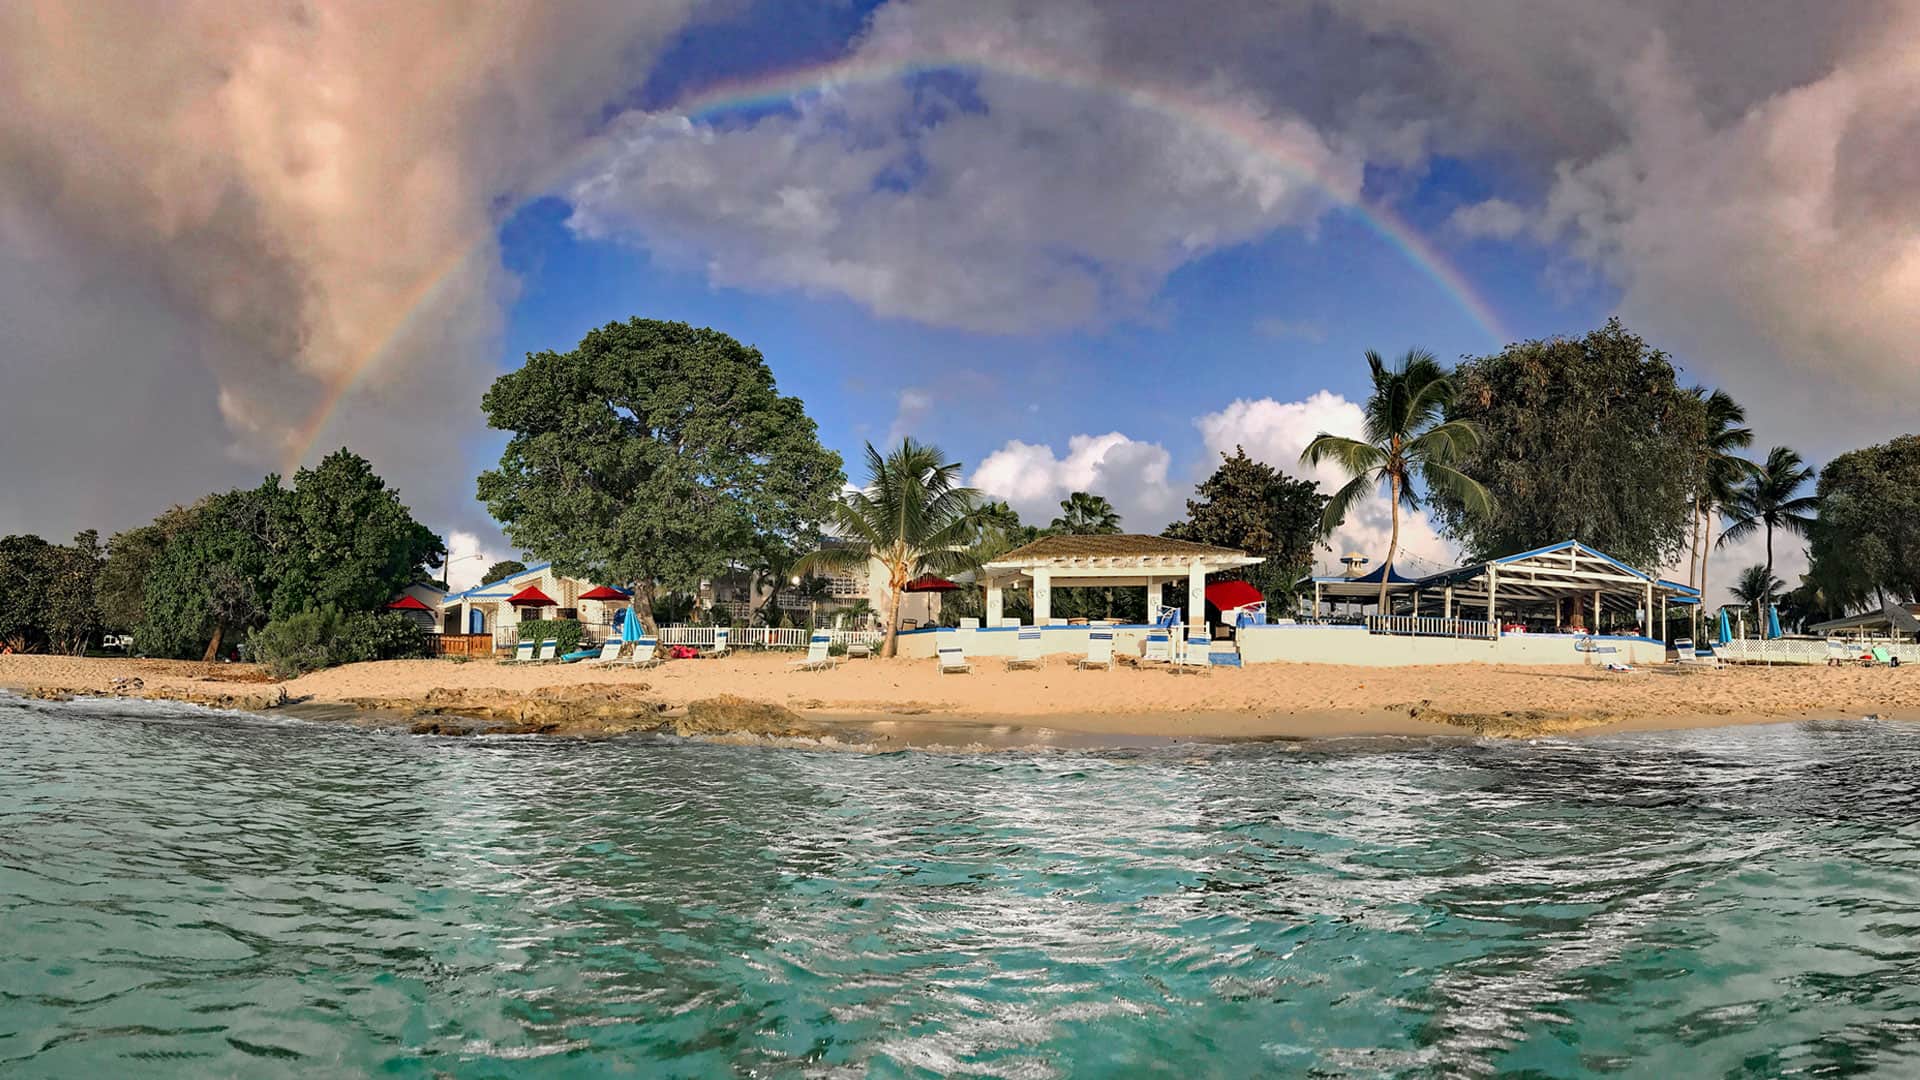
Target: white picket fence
[1424, 626]
[1809, 651]
[760, 637]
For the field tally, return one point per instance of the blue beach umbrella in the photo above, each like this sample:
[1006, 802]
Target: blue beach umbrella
[1773, 621]
[1725, 634]
[629, 626]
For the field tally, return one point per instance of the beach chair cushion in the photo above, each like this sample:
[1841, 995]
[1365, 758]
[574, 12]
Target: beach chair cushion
[1099, 650]
[1026, 649]
[951, 656]
[523, 651]
[549, 648]
[819, 653]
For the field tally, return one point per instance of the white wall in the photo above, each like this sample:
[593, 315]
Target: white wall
[1322, 645]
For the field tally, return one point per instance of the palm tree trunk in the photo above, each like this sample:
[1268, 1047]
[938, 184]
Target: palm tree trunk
[892, 645]
[213, 647]
[1693, 558]
[1393, 544]
[1706, 549]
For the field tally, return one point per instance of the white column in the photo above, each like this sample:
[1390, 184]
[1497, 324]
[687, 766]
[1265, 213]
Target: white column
[1316, 599]
[1493, 592]
[1042, 595]
[1153, 597]
[996, 602]
[1196, 595]
[1447, 603]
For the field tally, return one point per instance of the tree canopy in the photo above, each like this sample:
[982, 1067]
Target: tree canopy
[214, 578]
[1582, 438]
[1085, 514]
[1867, 537]
[1255, 507]
[653, 453]
[1770, 499]
[350, 543]
[121, 593]
[505, 568]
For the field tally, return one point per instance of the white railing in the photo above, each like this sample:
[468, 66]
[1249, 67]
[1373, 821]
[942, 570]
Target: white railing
[761, 637]
[701, 636]
[1423, 626]
[1809, 651]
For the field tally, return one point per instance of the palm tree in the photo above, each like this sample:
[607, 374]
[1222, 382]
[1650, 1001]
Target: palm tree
[913, 516]
[1085, 514]
[1721, 473]
[1406, 432]
[1758, 586]
[1768, 500]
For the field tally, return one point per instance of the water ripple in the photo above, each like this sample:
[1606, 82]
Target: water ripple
[185, 893]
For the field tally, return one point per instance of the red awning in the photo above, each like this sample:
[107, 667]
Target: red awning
[531, 597]
[930, 583]
[408, 603]
[1227, 595]
[603, 592]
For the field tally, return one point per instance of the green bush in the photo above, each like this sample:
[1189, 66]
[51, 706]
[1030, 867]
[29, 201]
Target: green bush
[566, 631]
[322, 637]
[296, 644]
[378, 635]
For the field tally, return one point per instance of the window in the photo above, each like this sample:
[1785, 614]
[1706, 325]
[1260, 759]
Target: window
[845, 585]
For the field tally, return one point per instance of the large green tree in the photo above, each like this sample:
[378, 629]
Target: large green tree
[653, 454]
[72, 616]
[214, 579]
[913, 515]
[1583, 438]
[1085, 514]
[1722, 471]
[350, 543]
[1867, 537]
[1408, 435]
[1770, 499]
[24, 562]
[505, 568]
[1252, 506]
[121, 593]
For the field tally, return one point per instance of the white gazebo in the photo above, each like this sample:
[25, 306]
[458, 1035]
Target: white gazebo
[1122, 559]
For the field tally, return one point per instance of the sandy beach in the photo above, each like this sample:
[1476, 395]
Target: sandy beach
[1265, 701]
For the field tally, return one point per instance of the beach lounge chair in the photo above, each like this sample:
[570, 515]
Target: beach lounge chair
[609, 652]
[549, 649]
[819, 653]
[522, 652]
[721, 647]
[1686, 652]
[1026, 649]
[1159, 648]
[1197, 657]
[860, 650]
[642, 655]
[1883, 657]
[952, 657]
[1099, 650]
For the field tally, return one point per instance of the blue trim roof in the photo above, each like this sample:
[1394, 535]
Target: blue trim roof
[1371, 577]
[475, 593]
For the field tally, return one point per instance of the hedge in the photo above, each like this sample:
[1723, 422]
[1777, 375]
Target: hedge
[566, 631]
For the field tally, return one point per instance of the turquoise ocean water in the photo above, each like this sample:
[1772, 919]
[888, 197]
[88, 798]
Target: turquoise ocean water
[186, 894]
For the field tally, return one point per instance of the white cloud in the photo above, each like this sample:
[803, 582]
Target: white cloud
[468, 557]
[1278, 432]
[1307, 330]
[912, 407]
[1132, 475]
[1724, 564]
[1495, 218]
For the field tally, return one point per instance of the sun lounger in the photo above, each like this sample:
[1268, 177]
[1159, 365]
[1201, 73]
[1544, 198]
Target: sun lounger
[522, 653]
[1197, 657]
[1099, 650]
[1883, 657]
[720, 644]
[1026, 649]
[609, 652]
[819, 653]
[643, 654]
[549, 649]
[860, 650]
[1685, 652]
[952, 657]
[1159, 648]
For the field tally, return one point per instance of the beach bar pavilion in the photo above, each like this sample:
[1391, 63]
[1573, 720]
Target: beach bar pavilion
[1119, 560]
[1564, 584]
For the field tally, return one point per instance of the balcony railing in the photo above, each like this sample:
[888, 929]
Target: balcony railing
[1424, 626]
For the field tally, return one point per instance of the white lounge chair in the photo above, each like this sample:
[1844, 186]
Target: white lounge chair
[1197, 657]
[819, 653]
[609, 652]
[522, 652]
[1099, 650]
[720, 643]
[952, 656]
[643, 652]
[549, 649]
[1026, 649]
[1685, 652]
[860, 650]
[1159, 648]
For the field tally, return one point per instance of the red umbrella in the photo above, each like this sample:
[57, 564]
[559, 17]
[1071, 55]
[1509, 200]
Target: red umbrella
[407, 603]
[1227, 595]
[531, 597]
[603, 592]
[929, 583]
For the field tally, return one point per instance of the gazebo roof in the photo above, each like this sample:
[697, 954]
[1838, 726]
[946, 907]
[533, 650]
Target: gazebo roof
[1117, 546]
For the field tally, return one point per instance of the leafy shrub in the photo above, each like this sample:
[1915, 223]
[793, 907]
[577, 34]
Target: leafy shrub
[321, 637]
[378, 635]
[566, 631]
[296, 644]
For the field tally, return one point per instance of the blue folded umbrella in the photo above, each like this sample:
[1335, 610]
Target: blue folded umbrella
[1773, 621]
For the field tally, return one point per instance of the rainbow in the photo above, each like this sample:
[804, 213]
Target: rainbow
[1238, 127]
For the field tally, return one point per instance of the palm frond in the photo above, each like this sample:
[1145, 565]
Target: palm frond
[1343, 502]
[1460, 487]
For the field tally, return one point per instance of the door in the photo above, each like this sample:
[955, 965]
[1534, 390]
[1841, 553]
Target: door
[476, 621]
